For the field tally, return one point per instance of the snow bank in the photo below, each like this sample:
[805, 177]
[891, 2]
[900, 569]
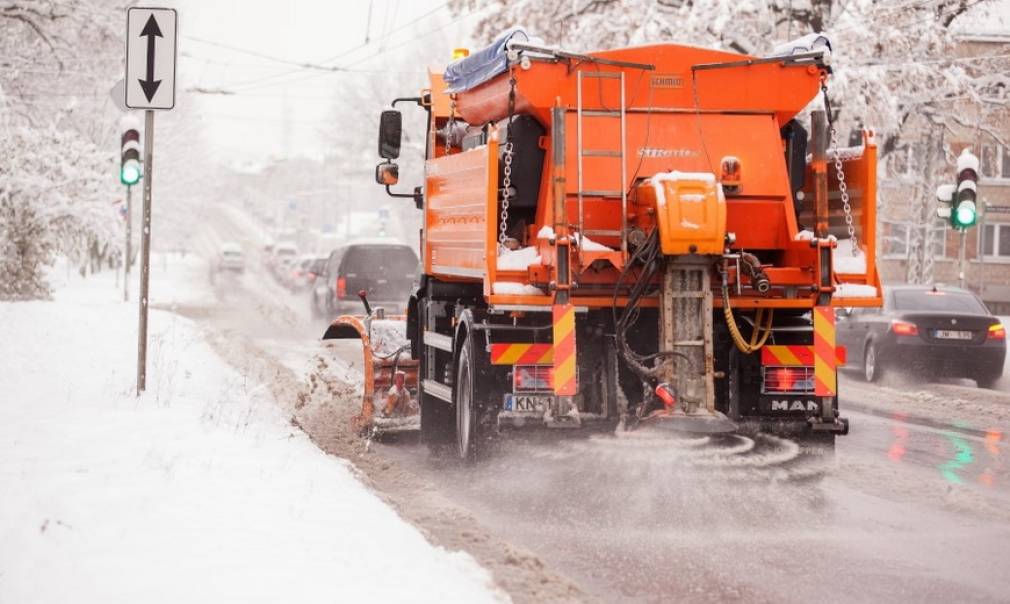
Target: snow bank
[198, 491]
[509, 288]
[518, 260]
[855, 290]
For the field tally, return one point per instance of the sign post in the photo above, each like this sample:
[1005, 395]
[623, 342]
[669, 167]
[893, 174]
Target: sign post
[151, 35]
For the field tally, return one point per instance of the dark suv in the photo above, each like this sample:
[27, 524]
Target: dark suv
[384, 270]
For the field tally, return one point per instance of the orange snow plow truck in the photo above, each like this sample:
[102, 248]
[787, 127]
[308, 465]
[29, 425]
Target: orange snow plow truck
[649, 237]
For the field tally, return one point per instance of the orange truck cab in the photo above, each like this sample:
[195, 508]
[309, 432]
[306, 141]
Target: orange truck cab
[648, 236]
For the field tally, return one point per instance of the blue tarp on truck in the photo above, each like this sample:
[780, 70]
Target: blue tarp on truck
[484, 64]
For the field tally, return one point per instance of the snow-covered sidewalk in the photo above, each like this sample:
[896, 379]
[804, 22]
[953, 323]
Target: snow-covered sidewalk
[198, 491]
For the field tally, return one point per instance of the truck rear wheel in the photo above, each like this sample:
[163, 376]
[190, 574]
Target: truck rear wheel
[470, 394]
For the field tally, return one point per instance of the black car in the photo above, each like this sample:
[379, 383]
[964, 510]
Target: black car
[384, 270]
[928, 331]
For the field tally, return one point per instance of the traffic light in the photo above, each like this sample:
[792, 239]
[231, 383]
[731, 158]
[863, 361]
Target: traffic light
[129, 167]
[963, 209]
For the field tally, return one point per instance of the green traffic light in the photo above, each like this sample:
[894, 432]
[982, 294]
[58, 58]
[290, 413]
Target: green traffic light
[964, 216]
[129, 174]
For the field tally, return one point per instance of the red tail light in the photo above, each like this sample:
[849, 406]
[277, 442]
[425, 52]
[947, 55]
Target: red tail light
[798, 379]
[785, 378]
[996, 332]
[904, 328]
[532, 378]
[341, 287]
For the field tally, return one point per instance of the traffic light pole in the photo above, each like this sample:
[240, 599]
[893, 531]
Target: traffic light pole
[129, 236]
[962, 238]
[981, 248]
[145, 251]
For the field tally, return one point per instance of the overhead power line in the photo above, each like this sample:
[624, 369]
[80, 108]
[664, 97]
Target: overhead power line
[254, 53]
[276, 79]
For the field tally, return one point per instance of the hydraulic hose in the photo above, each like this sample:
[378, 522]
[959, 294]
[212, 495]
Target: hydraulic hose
[760, 334]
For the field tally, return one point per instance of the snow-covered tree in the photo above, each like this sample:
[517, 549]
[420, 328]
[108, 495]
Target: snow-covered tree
[55, 195]
[893, 60]
[57, 135]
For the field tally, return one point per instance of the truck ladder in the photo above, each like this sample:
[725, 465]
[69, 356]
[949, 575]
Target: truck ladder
[620, 192]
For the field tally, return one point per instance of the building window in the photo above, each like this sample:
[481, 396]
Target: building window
[995, 161]
[995, 242]
[897, 237]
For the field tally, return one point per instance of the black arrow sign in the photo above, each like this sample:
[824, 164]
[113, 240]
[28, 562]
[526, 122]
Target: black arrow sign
[149, 84]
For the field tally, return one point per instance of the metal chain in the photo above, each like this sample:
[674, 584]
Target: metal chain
[843, 189]
[507, 180]
[506, 194]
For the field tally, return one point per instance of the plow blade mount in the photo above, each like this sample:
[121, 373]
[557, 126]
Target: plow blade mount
[389, 380]
[702, 422]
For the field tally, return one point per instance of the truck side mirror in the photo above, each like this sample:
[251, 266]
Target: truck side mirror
[387, 173]
[390, 132]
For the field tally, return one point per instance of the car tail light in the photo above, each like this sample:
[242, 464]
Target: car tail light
[532, 378]
[798, 379]
[996, 332]
[904, 328]
[341, 287]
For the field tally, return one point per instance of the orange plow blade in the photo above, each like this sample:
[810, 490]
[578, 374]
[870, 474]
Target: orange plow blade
[389, 380]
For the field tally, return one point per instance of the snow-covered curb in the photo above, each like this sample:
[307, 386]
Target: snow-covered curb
[198, 491]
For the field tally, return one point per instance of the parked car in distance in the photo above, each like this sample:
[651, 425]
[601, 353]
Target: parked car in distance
[383, 269]
[926, 331]
[230, 258]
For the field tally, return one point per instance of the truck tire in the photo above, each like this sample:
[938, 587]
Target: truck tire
[470, 395]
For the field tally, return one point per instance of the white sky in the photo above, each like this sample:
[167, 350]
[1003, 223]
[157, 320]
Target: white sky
[279, 109]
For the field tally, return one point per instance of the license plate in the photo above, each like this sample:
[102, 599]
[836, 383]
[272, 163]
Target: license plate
[527, 403]
[946, 334]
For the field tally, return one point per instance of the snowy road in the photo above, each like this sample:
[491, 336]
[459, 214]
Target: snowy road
[916, 506]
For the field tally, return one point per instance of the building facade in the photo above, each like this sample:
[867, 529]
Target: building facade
[909, 177]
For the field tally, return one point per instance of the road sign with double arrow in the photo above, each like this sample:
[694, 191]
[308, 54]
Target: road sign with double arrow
[150, 58]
